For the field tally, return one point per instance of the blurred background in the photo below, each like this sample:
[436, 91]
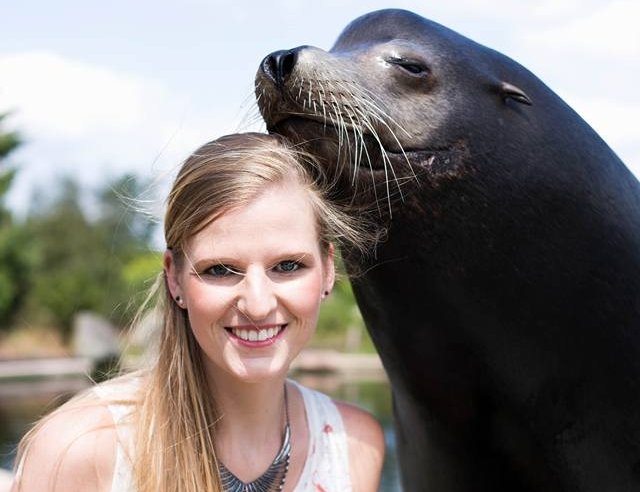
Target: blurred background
[100, 103]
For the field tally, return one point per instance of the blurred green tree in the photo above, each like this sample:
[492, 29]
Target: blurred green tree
[16, 258]
[129, 229]
[340, 324]
[81, 251]
[83, 259]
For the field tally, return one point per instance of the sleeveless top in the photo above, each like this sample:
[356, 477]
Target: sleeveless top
[327, 465]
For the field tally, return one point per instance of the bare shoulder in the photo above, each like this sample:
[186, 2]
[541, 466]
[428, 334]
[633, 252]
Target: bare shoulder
[73, 449]
[366, 446]
[360, 424]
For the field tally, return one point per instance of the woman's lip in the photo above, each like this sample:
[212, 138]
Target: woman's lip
[255, 327]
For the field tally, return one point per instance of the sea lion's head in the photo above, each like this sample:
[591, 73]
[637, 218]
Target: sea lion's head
[395, 102]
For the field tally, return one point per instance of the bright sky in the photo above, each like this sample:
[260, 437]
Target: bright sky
[100, 88]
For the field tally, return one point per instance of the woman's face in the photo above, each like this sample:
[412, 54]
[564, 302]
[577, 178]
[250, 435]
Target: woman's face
[252, 284]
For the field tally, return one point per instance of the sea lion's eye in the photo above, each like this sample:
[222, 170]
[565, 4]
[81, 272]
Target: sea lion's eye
[410, 66]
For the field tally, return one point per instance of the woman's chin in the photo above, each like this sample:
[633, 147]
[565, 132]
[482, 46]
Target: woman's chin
[259, 369]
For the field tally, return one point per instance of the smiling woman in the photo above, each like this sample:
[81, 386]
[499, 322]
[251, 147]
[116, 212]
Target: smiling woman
[250, 245]
[253, 296]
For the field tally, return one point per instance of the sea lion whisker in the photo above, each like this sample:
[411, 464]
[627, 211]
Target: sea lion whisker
[385, 161]
[344, 131]
[380, 116]
[337, 125]
[385, 157]
[383, 116]
[340, 131]
[362, 148]
[376, 200]
[357, 130]
[335, 112]
[397, 140]
[346, 134]
[252, 111]
[351, 91]
[370, 99]
[357, 127]
[322, 104]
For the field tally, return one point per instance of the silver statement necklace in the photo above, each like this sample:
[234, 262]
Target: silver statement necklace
[271, 480]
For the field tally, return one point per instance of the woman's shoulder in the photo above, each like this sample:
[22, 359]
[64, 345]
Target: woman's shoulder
[71, 449]
[361, 426]
[74, 447]
[365, 438]
[122, 389]
[365, 441]
[358, 423]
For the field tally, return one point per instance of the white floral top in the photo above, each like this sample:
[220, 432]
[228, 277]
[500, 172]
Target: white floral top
[327, 465]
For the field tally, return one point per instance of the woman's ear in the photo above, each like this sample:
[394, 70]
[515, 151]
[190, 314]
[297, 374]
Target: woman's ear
[171, 272]
[329, 268]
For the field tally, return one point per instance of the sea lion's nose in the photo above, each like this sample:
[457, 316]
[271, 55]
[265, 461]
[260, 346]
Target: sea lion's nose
[279, 65]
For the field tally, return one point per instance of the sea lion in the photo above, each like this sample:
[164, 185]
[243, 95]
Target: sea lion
[504, 301]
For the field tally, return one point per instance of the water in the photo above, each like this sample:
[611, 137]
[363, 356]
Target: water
[21, 403]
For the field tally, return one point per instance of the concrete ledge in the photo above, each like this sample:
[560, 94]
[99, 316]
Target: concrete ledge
[47, 388]
[313, 360]
[46, 367]
[318, 360]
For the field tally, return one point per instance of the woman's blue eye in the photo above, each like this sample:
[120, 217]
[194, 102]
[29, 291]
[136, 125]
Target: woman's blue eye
[287, 266]
[219, 271]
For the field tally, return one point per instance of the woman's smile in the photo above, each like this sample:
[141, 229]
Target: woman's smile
[256, 336]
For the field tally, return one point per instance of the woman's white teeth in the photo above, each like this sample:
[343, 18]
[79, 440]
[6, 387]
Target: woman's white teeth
[256, 335]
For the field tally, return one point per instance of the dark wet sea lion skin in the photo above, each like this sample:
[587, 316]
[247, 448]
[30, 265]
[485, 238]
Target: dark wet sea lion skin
[505, 300]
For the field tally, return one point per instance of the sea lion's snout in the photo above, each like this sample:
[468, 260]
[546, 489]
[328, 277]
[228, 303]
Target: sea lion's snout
[277, 66]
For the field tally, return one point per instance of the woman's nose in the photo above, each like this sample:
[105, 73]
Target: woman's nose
[257, 297]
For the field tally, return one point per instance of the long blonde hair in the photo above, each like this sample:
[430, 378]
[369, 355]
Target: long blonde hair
[174, 414]
[176, 417]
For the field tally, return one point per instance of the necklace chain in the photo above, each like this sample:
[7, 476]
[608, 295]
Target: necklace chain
[274, 477]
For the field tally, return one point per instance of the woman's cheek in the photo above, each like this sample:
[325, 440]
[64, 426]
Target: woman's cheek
[307, 294]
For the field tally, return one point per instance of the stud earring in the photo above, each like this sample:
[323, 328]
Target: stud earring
[179, 301]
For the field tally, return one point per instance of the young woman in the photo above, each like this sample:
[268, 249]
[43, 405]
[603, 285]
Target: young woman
[249, 259]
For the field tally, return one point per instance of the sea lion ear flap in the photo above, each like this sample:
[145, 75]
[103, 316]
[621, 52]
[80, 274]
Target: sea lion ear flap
[510, 91]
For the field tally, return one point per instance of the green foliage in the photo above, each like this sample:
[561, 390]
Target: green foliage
[86, 264]
[129, 226]
[340, 324]
[138, 275]
[339, 310]
[16, 257]
[77, 251]
[9, 141]
[6, 178]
